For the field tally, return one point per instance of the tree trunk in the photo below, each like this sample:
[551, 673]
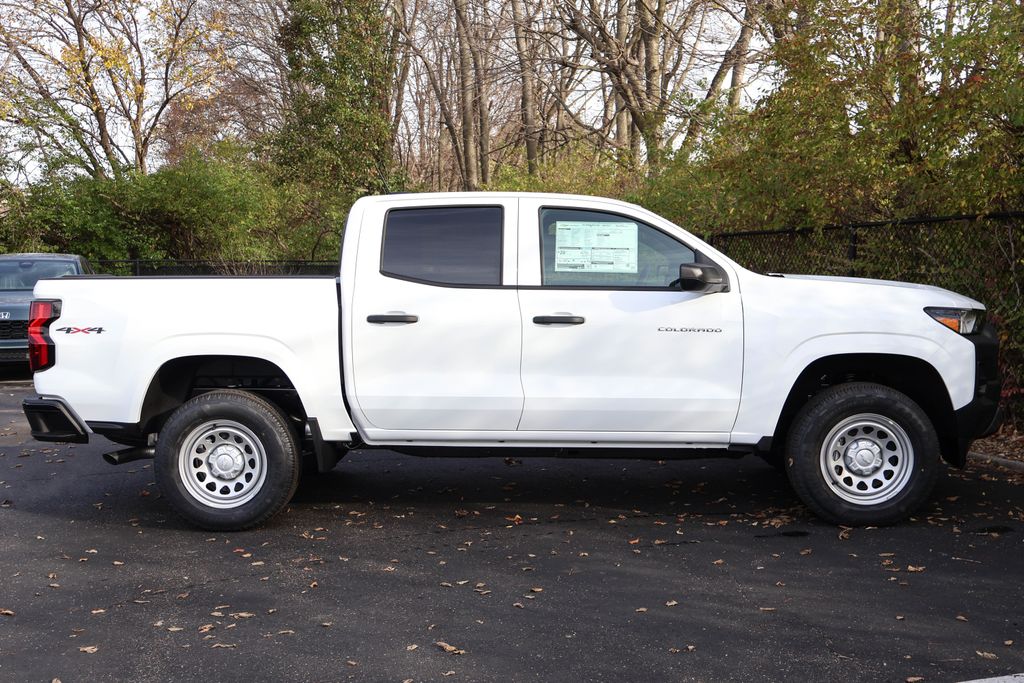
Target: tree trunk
[742, 49]
[623, 123]
[529, 93]
[467, 94]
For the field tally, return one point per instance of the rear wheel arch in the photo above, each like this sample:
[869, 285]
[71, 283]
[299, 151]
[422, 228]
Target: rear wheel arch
[180, 379]
[914, 377]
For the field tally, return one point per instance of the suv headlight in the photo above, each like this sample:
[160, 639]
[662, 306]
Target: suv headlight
[960, 320]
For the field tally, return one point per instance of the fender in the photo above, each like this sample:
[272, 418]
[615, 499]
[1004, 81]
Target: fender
[317, 386]
[764, 398]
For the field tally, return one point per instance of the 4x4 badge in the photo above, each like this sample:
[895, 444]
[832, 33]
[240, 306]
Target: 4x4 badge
[83, 330]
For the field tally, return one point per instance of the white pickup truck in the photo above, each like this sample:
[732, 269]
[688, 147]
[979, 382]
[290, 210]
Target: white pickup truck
[486, 323]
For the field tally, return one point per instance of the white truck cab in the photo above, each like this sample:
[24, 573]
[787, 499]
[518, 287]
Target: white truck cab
[537, 322]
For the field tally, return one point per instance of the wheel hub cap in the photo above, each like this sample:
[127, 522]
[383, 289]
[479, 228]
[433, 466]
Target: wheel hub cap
[225, 462]
[863, 457]
[222, 464]
[867, 459]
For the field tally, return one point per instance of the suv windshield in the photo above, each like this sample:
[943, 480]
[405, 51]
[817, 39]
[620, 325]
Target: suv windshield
[24, 273]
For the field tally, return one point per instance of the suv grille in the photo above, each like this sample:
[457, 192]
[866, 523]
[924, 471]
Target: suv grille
[13, 329]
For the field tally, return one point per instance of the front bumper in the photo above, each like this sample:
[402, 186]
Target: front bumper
[52, 420]
[982, 416]
[14, 351]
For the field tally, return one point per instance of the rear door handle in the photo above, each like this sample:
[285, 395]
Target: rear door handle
[381, 319]
[559, 319]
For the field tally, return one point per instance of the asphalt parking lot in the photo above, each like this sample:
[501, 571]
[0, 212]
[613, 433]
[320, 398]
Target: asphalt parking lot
[394, 568]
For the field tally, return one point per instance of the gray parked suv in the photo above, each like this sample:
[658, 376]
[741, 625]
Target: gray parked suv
[18, 275]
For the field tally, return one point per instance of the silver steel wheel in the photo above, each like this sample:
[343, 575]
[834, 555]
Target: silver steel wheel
[222, 464]
[867, 459]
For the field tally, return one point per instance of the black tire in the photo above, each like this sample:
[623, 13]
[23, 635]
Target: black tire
[840, 436]
[236, 425]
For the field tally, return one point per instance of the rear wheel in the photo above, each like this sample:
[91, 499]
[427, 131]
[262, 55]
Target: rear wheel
[227, 460]
[861, 454]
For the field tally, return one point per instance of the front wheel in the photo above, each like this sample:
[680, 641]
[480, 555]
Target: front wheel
[227, 460]
[862, 454]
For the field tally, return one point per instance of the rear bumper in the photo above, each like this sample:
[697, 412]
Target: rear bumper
[982, 416]
[52, 420]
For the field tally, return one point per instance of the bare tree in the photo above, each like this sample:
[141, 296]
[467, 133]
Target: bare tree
[90, 83]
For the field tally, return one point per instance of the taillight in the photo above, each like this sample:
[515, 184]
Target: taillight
[41, 313]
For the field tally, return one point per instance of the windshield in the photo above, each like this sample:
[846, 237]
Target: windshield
[24, 273]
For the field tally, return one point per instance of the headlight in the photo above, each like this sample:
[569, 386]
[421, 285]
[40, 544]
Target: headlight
[960, 320]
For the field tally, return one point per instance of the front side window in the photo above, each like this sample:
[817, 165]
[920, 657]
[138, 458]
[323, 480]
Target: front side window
[596, 249]
[445, 245]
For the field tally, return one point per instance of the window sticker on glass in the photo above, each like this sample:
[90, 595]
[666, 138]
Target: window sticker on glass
[595, 247]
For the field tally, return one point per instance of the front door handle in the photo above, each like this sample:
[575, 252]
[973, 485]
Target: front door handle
[381, 319]
[559, 319]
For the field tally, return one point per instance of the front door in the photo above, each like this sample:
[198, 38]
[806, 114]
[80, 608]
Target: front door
[610, 342]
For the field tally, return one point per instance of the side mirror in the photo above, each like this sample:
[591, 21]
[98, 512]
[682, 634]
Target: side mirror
[702, 278]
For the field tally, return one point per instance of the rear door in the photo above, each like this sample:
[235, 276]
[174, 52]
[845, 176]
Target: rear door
[436, 330]
[610, 343]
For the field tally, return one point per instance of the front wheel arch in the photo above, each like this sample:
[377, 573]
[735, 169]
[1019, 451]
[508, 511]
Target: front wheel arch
[911, 376]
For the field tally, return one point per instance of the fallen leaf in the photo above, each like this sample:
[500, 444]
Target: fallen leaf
[767, 609]
[641, 609]
[915, 679]
[1007, 643]
[718, 562]
[986, 655]
[900, 617]
[175, 629]
[536, 590]
[242, 615]
[7, 612]
[117, 563]
[224, 645]
[911, 568]
[410, 648]
[634, 541]
[351, 662]
[671, 603]
[961, 617]
[518, 604]
[98, 610]
[206, 628]
[806, 551]
[451, 649]
[89, 649]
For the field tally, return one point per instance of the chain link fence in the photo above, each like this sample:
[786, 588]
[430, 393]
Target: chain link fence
[226, 268]
[981, 256]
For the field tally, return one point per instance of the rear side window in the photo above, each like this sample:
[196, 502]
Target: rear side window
[448, 246]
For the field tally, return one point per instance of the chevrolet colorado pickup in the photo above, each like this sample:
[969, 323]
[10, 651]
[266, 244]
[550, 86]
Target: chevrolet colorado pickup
[493, 323]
